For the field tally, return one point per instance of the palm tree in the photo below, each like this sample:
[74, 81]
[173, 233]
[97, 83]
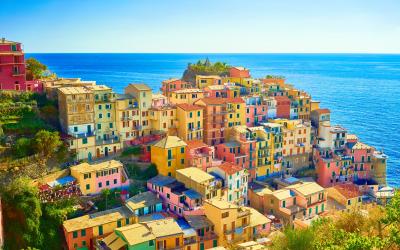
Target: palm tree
[105, 193]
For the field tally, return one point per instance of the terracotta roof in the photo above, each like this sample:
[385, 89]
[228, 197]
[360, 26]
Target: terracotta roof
[216, 101]
[229, 168]
[348, 190]
[239, 68]
[189, 107]
[322, 111]
[195, 144]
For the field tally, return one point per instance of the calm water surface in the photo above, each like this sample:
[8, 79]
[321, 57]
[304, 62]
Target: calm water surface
[362, 91]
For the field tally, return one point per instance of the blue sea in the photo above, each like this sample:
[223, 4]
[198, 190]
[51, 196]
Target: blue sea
[361, 90]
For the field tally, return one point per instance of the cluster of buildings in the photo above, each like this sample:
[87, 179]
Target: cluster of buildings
[226, 149]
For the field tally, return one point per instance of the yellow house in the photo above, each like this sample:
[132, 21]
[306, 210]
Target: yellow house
[314, 105]
[127, 117]
[167, 232]
[142, 93]
[302, 101]
[164, 119]
[96, 177]
[234, 224]
[200, 181]
[188, 96]
[169, 155]
[296, 148]
[345, 196]
[205, 81]
[190, 121]
[76, 115]
[235, 112]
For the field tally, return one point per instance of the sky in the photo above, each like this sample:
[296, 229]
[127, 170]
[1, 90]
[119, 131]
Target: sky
[203, 26]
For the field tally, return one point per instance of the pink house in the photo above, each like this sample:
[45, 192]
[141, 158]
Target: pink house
[12, 66]
[361, 156]
[173, 84]
[242, 153]
[200, 155]
[175, 196]
[158, 100]
[256, 110]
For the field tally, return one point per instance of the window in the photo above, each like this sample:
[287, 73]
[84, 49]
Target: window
[100, 184]
[87, 186]
[83, 232]
[182, 161]
[111, 125]
[182, 150]
[119, 223]
[283, 203]
[75, 129]
[224, 215]
[107, 183]
[168, 196]
[84, 243]
[115, 181]
[84, 140]
[151, 243]
[98, 126]
[127, 221]
[348, 202]
[75, 234]
[100, 230]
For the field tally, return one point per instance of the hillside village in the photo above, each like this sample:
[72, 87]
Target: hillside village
[220, 160]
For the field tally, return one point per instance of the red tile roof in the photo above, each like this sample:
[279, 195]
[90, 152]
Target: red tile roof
[348, 190]
[189, 107]
[323, 111]
[229, 168]
[195, 144]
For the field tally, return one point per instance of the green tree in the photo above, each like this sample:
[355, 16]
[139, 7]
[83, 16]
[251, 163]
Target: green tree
[35, 68]
[21, 212]
[46, 143]
[22, 148]
[150, 172]
[106, 193]
[391, 220]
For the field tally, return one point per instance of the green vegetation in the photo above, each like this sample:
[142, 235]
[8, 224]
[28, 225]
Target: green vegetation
[205, 68]
[46, 143]
[135, 172]
[131, 151]
[37, 70]
[274, 77]
[379, 228]
[29, 223]
[109, 199]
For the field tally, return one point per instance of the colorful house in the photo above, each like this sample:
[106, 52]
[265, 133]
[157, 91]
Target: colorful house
[205, 81]
[82, 232]
[256, 110]
[92, 178]
[282, 107]
[200, 155]
[169, 155]
[173, 84]
[190, 121]
[167, 232]
[127, 118]
[175, 196]
[345, 196]
[235, 182]
[206, 237]
[296, 148]
[12, 67]
[76, 115]
[240, 72]
[200, 181]
[188, 96]
[220, 115]
[142, 93]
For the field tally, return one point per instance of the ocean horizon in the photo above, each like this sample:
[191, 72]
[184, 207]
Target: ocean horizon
[361, 90]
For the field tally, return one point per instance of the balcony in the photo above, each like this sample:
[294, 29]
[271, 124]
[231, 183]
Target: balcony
[189, 241]
[294, 209]
[107, 141]
[126, 118]
[209, 236]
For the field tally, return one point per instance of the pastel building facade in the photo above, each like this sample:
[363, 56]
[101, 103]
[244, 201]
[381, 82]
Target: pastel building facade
[201, 155]
[12, 67]
[188, 96]
[256, 110]
[169, 155]
[235, 182]
[170, 85]
[203, 81]
[190, 121]
[76, 115]
[93, 178]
